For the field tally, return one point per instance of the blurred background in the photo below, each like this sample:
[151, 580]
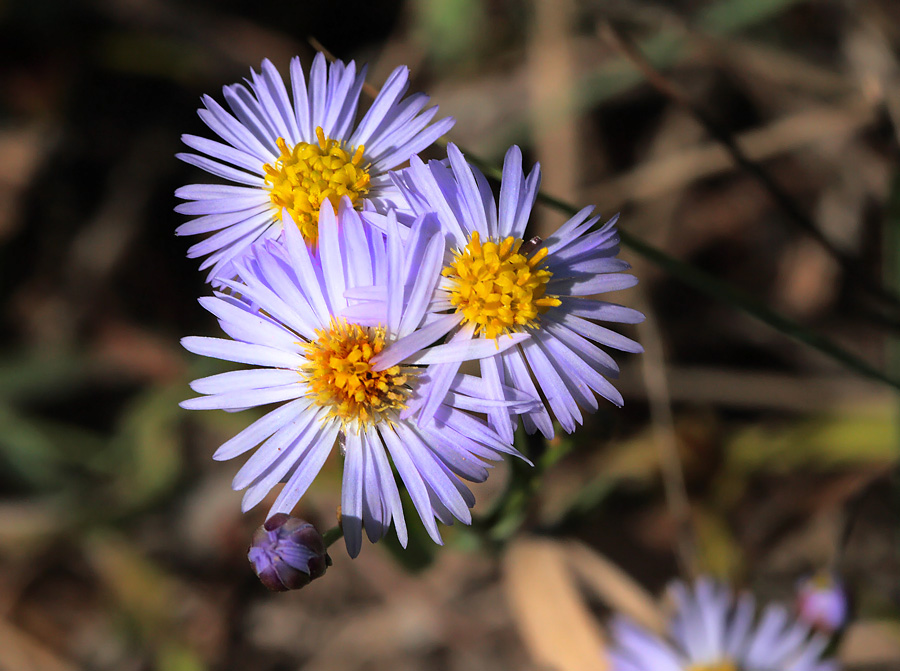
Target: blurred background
[122, 546]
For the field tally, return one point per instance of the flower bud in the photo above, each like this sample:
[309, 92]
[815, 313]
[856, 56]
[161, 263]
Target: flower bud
[287, 553]
[822, 602]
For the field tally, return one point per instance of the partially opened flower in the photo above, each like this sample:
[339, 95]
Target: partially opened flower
[297, 154]
[710, 631]
[288, 553]
[496, 285]
[346, 381]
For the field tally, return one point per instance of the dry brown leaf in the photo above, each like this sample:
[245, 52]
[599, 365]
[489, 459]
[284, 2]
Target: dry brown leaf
[21, 652]
[553, 619]
[614, 586]
[870, 643]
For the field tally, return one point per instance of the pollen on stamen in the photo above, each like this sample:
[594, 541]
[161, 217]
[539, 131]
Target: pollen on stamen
[497, 287]
[306, 176]
[340, 377]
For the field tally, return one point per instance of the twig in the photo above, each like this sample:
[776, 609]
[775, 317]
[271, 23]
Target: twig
[369, 90]
[653, 367]
[630, 51]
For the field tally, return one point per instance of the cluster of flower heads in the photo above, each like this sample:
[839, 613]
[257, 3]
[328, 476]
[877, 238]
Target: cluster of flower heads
[710, 630]
[355, 289]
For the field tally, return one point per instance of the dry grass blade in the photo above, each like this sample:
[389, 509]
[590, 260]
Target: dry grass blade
[672, 172]
[614, 586]
[554, 122]
[555, 623]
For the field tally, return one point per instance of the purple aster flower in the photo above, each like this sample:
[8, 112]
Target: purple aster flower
[711, 631]
[822, 602]
[297, 154]
[288, 553]
[495, 284]
[344, 380]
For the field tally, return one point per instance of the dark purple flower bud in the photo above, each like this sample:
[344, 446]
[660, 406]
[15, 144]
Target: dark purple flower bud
[287, 553]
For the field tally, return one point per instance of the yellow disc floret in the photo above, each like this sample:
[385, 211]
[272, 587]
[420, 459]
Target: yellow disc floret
[724, 665]
[339, 374]
[306, 176]
[497, 288]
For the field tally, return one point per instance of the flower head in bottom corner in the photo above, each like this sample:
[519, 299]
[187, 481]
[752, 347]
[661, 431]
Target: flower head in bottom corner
[710, 630]
[341, 378]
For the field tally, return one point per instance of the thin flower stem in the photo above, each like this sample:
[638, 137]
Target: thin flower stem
[332, 535]
[788, 205]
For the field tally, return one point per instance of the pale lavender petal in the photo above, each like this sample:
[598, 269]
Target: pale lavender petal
[517, 371]
[240, 352]
[307, 469]
[510, 186]
[222, 170]
[393, 89]
[423, 290]
[388, 485]
[254, 378]
[602, 310]
[330, 255]
[303, 446]
[352, 493]
[435, 474]
[464, 350]
[407, 346]
[223, 152]
[571, 230]
[303, 266]
[561, 402]
[471, 198]
[588, 285]
[214, 222]
[492, 378]
[242, 324]
[394, 287]
[301, 101]
[261, 429]
[411, 477]
[247, 398]
[285, 447]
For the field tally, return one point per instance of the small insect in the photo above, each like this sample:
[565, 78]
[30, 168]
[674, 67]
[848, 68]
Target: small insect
[531, 246]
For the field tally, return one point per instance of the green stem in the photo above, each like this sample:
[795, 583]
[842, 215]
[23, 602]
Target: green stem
[332, 536]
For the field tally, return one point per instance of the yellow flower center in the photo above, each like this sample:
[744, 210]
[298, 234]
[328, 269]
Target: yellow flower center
[340, 376]
[497, 288]
[724, 665]
[306, 176]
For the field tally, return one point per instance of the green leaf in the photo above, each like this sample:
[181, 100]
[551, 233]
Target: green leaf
[147, 447]
[854, 437]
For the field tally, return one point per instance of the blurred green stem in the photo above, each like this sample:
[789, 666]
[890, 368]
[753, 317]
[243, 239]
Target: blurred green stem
[333, 535]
